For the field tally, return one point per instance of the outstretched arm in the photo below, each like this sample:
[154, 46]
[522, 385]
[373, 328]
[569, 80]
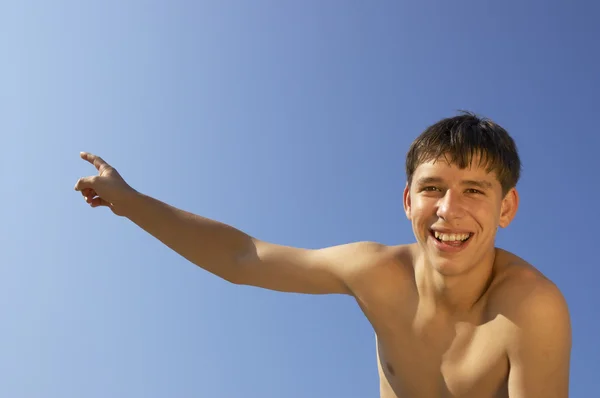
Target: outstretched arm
[224, 250]
[242, 259]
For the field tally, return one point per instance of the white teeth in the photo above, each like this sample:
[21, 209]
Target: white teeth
[450, 237]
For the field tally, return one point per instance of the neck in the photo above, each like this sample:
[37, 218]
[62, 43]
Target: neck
[456, 293]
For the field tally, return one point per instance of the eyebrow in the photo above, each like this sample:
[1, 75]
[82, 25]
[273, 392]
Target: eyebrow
[429, 180]
[436, 180]
[478, 183]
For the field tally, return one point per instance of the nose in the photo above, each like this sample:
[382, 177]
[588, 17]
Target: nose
[450, 206]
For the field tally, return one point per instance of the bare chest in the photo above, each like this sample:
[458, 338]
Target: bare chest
[422, 355]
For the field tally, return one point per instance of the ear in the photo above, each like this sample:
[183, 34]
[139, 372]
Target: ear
[509, 207]
[406, 201]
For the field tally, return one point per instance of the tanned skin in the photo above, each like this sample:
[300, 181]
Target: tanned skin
[466, 321]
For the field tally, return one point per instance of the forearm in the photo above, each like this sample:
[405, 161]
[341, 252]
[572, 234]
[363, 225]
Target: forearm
[211, 245]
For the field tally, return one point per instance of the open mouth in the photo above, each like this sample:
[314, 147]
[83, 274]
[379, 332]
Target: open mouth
[451, 239]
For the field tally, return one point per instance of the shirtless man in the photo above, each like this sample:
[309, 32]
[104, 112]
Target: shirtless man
[454, 316]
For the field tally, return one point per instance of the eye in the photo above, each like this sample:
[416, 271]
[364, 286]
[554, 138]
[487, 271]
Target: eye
[473, 190]
[430, 189]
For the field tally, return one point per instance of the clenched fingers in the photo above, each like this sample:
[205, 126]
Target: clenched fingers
[96, 202]
[85, 183]
[89, 193]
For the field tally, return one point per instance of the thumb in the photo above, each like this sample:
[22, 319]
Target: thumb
[85, 182]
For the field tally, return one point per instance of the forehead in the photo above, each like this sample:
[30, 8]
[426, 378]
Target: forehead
[445, 170]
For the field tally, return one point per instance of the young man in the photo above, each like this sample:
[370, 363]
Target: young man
[454, 315]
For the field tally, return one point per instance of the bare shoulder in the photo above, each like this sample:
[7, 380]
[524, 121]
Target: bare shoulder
[379, 265]
[521, 288]
[368, 254]
[379, 251]
[538, 329]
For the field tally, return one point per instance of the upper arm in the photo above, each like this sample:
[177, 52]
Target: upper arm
[540, 347]
[312, 271]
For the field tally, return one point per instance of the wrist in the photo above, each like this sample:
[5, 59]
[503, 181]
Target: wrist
[129, 204]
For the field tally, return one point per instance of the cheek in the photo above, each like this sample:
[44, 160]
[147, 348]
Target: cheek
[487, 216]
[421, 208]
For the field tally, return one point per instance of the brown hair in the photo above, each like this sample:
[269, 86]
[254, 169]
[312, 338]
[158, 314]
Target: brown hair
[459, 139]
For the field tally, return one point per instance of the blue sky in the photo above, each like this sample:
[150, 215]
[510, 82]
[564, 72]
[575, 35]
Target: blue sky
[289, 120]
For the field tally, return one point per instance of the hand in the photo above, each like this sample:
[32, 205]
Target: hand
[108, 188]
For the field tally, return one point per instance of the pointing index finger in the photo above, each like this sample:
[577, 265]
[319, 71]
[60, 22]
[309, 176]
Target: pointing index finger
[97, 161]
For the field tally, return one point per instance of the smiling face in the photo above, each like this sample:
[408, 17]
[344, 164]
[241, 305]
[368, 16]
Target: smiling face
[455, 213]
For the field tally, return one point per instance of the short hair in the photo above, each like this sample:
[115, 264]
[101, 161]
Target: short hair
[460, 139]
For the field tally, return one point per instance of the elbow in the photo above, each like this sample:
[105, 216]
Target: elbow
[225, 269]
[233, 277]
[235, 273]
[238, 272]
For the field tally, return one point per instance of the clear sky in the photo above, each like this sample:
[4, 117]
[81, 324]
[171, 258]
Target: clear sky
[289, 120]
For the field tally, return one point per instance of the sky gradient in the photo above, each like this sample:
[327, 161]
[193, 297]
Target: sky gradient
[288, 120]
